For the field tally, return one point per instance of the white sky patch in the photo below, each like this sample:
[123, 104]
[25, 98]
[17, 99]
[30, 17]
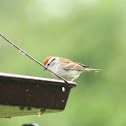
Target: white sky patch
[65, 7]
[58, 8]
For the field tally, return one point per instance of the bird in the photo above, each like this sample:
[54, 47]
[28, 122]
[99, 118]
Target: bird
[66, 68]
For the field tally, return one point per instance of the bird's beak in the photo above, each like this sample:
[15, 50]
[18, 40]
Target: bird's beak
[45, 69]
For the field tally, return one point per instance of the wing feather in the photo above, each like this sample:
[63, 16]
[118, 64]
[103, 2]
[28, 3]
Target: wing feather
[69, 65]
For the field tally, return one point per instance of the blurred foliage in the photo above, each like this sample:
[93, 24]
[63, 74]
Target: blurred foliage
[90, 32]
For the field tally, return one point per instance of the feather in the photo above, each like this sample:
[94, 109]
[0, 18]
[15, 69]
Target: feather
[69, 65]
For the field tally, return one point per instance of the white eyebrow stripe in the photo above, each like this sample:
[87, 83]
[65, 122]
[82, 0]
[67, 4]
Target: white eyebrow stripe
[51, 60]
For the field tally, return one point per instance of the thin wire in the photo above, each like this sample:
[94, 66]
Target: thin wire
[20, 50]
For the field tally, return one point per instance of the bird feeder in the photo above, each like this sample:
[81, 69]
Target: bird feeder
[22, 95]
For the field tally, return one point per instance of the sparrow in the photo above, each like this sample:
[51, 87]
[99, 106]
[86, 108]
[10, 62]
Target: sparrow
[66, 68]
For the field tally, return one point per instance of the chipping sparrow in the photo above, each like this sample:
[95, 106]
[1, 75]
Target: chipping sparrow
[65, 68]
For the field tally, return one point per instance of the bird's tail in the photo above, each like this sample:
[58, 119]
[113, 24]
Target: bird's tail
[91, 69]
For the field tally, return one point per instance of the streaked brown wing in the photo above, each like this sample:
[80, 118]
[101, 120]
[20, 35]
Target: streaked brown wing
[83, 65]
[69, 65]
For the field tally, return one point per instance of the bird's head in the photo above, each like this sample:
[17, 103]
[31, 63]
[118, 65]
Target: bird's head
[49, 61]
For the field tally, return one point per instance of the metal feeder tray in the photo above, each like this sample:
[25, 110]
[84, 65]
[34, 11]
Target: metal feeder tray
[22, 95]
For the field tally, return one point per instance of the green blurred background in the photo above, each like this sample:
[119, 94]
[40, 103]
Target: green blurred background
[92, 32]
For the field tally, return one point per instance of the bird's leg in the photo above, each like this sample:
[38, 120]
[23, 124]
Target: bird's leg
[72, 79]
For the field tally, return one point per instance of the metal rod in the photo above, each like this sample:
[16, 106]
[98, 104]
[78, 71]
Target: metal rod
[20, 50]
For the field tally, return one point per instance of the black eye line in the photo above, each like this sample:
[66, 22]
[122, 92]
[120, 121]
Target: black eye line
[51, 61]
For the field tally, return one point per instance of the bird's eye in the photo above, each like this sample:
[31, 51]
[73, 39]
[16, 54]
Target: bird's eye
[48, 64]
[52, 63]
